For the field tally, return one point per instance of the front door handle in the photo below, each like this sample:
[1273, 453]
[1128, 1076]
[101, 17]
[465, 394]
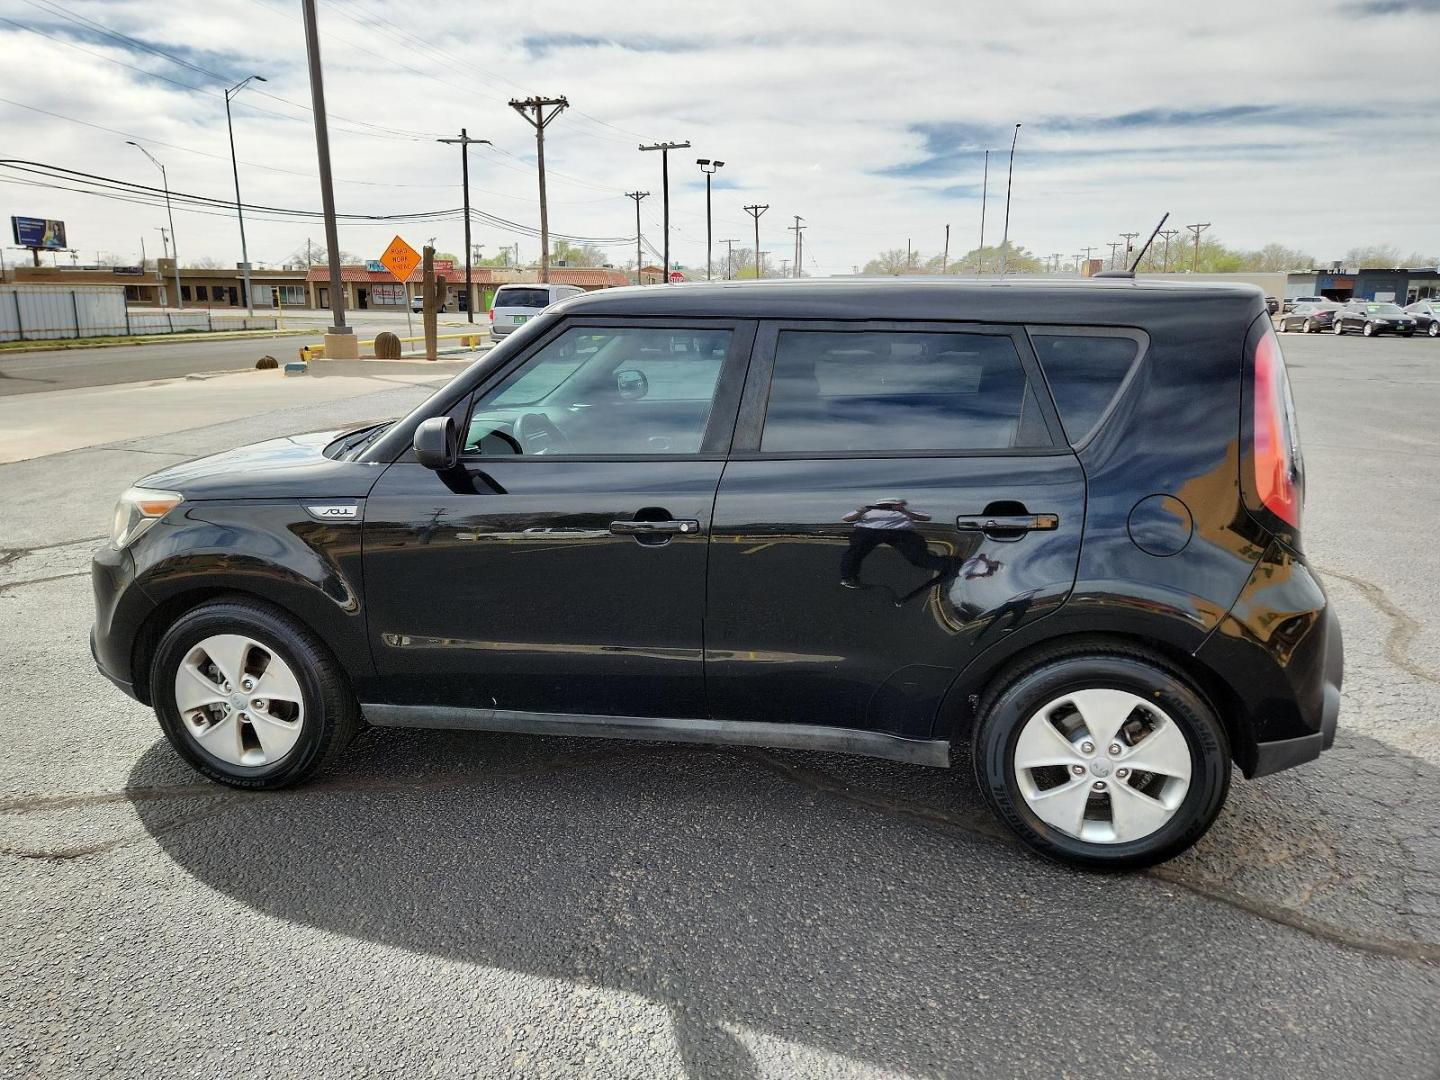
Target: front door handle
[687, 527]
[1008, 526]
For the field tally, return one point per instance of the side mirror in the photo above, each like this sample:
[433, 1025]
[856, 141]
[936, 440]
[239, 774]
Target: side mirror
[631, 384]
[437, 443]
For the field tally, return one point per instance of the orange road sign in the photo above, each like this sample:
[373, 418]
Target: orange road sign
[400, 259]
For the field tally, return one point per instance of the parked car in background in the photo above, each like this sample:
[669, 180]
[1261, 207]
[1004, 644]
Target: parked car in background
[515, 305]
[417, 304]
[1372, 317]
[1272, 305]
[889, 519]
[1292, 301]
[1426, 314]
[1309, 318]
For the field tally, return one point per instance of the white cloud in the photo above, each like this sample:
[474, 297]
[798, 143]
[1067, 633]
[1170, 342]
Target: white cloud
[1309, 129]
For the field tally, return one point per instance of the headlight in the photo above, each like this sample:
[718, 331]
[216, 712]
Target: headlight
[137, 510]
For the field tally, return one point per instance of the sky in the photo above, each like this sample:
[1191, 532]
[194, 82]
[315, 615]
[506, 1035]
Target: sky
[1312, 126]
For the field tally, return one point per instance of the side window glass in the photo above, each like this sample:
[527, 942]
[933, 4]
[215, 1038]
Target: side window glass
[613, 390]
[1085, 372]
[877, 391]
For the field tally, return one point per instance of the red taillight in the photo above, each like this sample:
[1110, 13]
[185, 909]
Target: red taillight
[492, 314]
[1277, 467]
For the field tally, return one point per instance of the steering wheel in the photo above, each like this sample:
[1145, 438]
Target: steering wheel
[537, 434]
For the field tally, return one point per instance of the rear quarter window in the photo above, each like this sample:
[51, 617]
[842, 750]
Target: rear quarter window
[1085, 373]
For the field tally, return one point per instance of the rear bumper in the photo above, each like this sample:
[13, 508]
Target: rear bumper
[1281, 653]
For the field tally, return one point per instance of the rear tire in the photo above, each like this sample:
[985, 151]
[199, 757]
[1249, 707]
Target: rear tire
[1337, 328]
[1434, 330]
[292, 716]
[1163, 722]
[1307, 327]
[1368, 330]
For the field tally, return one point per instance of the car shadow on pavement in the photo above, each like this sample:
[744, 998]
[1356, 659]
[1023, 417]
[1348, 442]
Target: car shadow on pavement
[860, 908]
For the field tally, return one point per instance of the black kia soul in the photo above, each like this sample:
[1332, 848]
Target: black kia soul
[1057, 521]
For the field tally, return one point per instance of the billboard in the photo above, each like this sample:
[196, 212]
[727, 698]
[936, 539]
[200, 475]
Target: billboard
[33, 232]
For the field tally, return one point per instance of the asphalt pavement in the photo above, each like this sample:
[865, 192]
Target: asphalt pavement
[186, 354]
[457, 905]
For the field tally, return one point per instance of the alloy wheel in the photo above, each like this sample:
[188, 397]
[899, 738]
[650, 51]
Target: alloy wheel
[239, 700]
[1103, 766]
[1307, 327]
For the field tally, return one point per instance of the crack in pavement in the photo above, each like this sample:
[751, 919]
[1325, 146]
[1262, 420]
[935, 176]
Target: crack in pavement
[1404, 628]
[1425, 952]
[814, 780]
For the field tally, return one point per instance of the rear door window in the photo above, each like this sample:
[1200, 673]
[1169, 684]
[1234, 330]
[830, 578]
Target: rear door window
[522, 298]
[1085, 373]
[878, 391]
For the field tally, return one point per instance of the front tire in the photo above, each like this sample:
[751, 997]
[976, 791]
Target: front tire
[249, 697]
[1368, 330]
[1307, 327]
[1102, 756]
[1434, 330]
[1337, 328]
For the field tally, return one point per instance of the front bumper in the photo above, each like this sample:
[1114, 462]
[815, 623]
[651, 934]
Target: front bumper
[119, 610]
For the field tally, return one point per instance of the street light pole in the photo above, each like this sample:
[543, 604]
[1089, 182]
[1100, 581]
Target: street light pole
[235, 167]
[708, 167]
[464, 140]
[1005, 239]
[665, 149]
[174, 240]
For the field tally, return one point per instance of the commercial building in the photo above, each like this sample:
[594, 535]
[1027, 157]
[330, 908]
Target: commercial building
[155, 286]
[371, 287]
[1402, 285]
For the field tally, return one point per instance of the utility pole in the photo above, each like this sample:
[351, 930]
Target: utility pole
[637, 196]
[1057, 257]
[464, 140]
[730, 256]
[539, 122]
[1197, 229]
[234, 165]
[340, 341]
[1167, 234]
[708, 167]
[799, 231]
[1128, 237]
[1114, 246]
[907, 255]
[665, 149]
[755, 212]
[945, 257]
[1005, 238]
[1077, 257]
[984, 193]
[784, 268]
[174, 240]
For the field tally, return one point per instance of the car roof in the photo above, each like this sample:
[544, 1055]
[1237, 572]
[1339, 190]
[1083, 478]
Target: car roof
[1030, 300]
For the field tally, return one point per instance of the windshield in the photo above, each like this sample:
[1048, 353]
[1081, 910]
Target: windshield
[1383, 309]
[525, 298]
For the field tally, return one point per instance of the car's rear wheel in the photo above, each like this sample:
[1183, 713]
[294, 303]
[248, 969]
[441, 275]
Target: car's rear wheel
[1368, 329]
[1102, 756]
[1434, 330]
[1308, 327]
[1337, 327]
[249, 697]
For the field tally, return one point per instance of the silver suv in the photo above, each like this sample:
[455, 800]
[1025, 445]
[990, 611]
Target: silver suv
[515, 305]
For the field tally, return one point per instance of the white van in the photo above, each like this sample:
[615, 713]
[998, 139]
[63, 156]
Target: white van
[515, 304]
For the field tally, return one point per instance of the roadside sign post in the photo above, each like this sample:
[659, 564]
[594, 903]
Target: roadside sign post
[401, 259]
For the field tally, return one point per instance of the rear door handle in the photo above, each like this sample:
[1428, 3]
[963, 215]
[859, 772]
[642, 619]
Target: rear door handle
[688, 527]
[1008, 526]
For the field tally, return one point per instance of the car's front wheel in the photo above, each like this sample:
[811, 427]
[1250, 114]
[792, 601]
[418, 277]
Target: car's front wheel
[1337, 327]
[249, 697]
[1368, 329]
[1308, 327]
[1103, 756]
[1434, 330]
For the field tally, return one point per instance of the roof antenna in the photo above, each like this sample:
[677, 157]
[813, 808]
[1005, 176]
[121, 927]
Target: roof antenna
[1146, 248]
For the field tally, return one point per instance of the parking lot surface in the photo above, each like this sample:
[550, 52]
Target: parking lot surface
[456, 905]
